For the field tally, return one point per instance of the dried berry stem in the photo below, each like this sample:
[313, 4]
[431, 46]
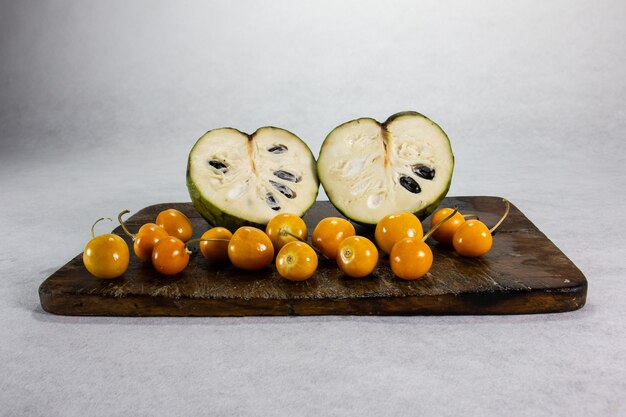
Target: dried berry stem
[432, 229]
[319, 253]
[119, 219]
[93, 235]
[212, 239]
[507, 207]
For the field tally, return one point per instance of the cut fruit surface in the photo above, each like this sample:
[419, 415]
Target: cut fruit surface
[370, 170]
[236, 179]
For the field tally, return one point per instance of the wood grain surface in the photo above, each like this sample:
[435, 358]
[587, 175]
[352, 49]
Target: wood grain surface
[524, 273]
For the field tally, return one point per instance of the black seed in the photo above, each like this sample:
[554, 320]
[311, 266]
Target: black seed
[287, 176]
[218, 165]
[283, 189]
[424, 171]
[271, 201]
[410, 184]
[277, 149]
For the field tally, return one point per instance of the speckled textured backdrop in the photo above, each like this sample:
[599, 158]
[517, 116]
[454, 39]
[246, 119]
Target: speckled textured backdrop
[100, 103]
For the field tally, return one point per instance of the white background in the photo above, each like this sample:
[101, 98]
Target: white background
[100, 103]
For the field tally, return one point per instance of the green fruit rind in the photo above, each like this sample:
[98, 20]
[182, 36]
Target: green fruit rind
[219, 217]
[422, 213]
[212, 214]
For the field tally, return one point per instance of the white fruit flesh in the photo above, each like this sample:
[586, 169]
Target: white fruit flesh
[363, 165]
[253, 178]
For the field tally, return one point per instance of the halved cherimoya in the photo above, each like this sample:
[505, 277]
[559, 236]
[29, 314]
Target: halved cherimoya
[369, 169]
[236, 179]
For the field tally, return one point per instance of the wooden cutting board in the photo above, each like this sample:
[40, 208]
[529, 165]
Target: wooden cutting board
[524, 273]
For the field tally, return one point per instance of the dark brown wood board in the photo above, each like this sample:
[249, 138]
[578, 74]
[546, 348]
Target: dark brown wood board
[523, 273]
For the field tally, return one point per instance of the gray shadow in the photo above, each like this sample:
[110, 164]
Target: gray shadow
[422, 320]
